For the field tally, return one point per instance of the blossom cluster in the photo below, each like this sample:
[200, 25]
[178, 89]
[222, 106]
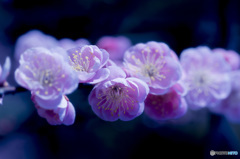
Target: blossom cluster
[128, 80]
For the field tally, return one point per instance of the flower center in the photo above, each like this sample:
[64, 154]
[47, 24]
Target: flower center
[201, 82]
[149, 70]
[148, 63]
[202, 78]
[46, 78]
[114, 98]
[115, 92]
[80, 62]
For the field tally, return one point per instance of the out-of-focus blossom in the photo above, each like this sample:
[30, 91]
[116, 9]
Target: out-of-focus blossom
[88, 61]
[171, 104]
[67, 43]
[153, 63]
[164, 107]
[33, 38]
[230, 107]
[119, 98]
[180, 86]
[115, 46]
[232, 57]
[63, 113]
[206, 77]
[47, 75]
[4, 72]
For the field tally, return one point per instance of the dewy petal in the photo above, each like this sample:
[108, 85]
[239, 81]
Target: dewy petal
[5, 70]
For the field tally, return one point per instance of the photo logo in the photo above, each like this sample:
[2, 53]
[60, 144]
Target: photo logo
[213, 153]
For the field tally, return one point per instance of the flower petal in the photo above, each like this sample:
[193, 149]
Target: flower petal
[70, 115]
[172, 73]
[100, 75]
[141, 86]
[221, 87]
[59, 102]
[5, 70]
[158, 91]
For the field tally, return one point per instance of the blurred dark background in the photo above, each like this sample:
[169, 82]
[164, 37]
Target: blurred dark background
[179, 23]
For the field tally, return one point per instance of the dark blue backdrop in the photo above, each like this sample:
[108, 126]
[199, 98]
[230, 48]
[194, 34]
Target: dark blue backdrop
[179, 23]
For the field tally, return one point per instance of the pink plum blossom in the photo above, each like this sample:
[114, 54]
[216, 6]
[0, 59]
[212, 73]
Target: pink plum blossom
[118, 98]
[153, 63]
[207, 77]
[47, 75]
[115, 46]
[89, 61]
[63, 113]
[231, 57]
[164, 107]
[33, 38]
[180, 87]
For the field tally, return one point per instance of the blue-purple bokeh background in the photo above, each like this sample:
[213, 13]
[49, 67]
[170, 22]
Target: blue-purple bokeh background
[179, 23]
